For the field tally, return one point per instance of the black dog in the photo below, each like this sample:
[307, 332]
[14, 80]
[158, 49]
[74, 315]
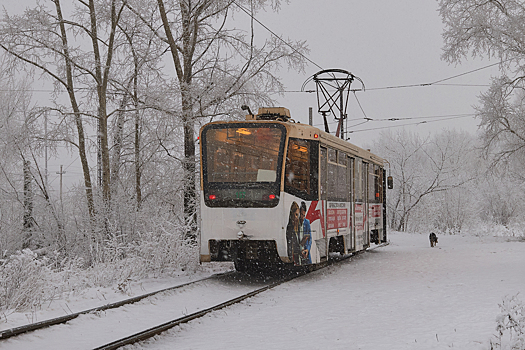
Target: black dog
[433, 239]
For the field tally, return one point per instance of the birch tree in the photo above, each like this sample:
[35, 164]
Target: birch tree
[76, 53]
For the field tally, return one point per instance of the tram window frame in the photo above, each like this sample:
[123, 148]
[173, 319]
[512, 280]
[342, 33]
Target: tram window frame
[323, 157]
[311, 191]
[241, 194]
[338, 181]
[375, 186]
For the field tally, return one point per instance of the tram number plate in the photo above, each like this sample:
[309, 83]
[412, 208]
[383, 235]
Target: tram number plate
[240, 194]
[251, 250]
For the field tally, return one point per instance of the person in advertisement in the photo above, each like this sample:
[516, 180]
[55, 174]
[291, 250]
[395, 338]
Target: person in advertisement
[305, 235]
[293, 235]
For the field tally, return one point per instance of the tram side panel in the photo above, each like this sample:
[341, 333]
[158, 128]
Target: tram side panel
[304, 230]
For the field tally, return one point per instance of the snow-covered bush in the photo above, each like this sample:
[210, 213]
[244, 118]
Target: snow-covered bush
[510, 325]
[498, 230]
[24, 282]
[164, 249]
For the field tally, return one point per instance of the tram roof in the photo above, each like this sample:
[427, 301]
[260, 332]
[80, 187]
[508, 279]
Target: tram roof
[305, 131]
[299, 130]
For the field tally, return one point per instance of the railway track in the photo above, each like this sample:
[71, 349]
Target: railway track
[8, 333]
[150, 332]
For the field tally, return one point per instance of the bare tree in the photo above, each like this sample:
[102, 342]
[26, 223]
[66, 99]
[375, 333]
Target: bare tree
[422, 168]
[57, 47]
[216, 67]
[494, 29]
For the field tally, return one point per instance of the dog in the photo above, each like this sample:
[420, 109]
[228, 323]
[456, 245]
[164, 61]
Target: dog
[433, 239]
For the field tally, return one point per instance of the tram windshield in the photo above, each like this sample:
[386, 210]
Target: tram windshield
[242, 162]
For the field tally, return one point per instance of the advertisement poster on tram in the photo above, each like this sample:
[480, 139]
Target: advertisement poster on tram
[337, 217]
[304, 225]
[359, 224]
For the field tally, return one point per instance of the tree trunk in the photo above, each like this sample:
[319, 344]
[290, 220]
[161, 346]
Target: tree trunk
[28, 207]
[190, 195]
[184, 75]
[77, 115]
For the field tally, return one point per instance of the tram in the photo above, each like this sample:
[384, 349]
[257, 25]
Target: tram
[275, 192]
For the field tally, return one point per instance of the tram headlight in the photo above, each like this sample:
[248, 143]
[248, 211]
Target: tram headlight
[240, 224]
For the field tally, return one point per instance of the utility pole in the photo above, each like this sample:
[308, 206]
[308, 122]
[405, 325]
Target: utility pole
[310, 116]
[45, 150]
[61, 203]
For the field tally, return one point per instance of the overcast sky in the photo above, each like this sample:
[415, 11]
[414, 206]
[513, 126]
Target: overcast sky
[385, 43]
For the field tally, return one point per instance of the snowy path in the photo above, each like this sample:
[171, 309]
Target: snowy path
[404, 296]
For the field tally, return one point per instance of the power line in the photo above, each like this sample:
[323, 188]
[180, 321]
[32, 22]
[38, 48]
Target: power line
[422, 117]
[438, 81]
[278, 37]
[408, 124]
[431, 118]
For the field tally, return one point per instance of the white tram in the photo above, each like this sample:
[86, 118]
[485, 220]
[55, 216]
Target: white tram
[276, 192]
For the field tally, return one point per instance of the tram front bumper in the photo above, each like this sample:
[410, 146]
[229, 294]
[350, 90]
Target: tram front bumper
[231, 250]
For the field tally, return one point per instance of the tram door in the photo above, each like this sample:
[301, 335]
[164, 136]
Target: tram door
[322, 244]
[366, 228]
[361, 204]
[375, 203]
[351, 239]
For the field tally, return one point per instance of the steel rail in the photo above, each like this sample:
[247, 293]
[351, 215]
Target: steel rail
[8, 333]
[151, 332]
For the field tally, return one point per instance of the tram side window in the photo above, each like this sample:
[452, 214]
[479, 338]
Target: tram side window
[323, 160]
[338, 184]
[332, 174]
[375, 188]
[301, 171]
[365, 182]
[350, 172]
[343, 188]
[358, 178]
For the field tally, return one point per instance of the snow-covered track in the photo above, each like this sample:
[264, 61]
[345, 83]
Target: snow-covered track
[146, 334]
[151, 332]
[8, 333]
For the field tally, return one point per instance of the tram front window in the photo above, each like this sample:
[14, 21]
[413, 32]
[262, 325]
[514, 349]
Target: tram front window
[242, 164]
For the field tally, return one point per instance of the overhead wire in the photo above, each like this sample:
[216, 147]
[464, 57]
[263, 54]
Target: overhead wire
[367, 119]
[275, 35]
[408, 124]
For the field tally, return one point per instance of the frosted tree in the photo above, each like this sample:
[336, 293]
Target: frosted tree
[423, 169]
[76, 53]
[492, 29]
[218, 67]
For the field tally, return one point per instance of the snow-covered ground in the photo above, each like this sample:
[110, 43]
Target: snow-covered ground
[403, 296]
